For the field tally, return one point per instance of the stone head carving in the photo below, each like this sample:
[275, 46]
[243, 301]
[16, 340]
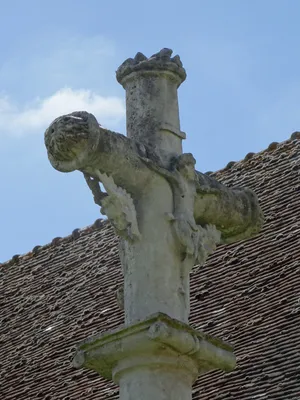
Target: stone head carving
[70, 138]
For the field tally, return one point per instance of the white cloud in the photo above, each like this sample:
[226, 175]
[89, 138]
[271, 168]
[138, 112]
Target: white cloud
[35, 117]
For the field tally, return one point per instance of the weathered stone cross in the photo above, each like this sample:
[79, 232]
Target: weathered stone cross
[168, 217]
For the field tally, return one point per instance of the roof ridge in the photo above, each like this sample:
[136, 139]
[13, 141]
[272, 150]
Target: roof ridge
[295, 136]
[99, 224]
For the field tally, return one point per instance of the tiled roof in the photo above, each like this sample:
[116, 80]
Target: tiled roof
[248, 294]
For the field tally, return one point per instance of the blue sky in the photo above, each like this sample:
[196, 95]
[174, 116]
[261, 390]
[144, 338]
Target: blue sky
[242, 59]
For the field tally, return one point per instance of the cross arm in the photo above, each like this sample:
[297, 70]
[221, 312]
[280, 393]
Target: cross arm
[235, 211]
[77, 142]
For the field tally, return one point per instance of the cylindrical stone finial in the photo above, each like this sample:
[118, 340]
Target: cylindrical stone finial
[151, 100]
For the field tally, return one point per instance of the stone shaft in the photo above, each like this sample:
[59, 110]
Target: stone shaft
[152, 112]
[156, 382]
[155, 279]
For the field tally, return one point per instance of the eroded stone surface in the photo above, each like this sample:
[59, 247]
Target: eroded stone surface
[78, 143]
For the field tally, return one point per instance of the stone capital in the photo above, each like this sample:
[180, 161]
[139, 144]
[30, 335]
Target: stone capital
[159, 64]
[158, 342]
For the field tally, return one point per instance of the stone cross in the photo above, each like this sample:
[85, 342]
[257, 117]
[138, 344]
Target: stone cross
[168, 216]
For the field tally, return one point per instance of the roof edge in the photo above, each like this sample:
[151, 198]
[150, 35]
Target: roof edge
[272, 146]
[99, 224]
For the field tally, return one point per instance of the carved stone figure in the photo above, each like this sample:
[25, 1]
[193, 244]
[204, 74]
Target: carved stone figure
[117, 204]
[168, 217]
[197, 242]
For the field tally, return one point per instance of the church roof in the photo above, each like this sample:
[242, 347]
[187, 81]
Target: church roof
[247, 294]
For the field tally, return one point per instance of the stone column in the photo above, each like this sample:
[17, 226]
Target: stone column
[151, 189]
[156, 356]
[154, 280]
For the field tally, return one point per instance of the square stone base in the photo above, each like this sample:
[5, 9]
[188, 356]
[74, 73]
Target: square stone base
[156, 336]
